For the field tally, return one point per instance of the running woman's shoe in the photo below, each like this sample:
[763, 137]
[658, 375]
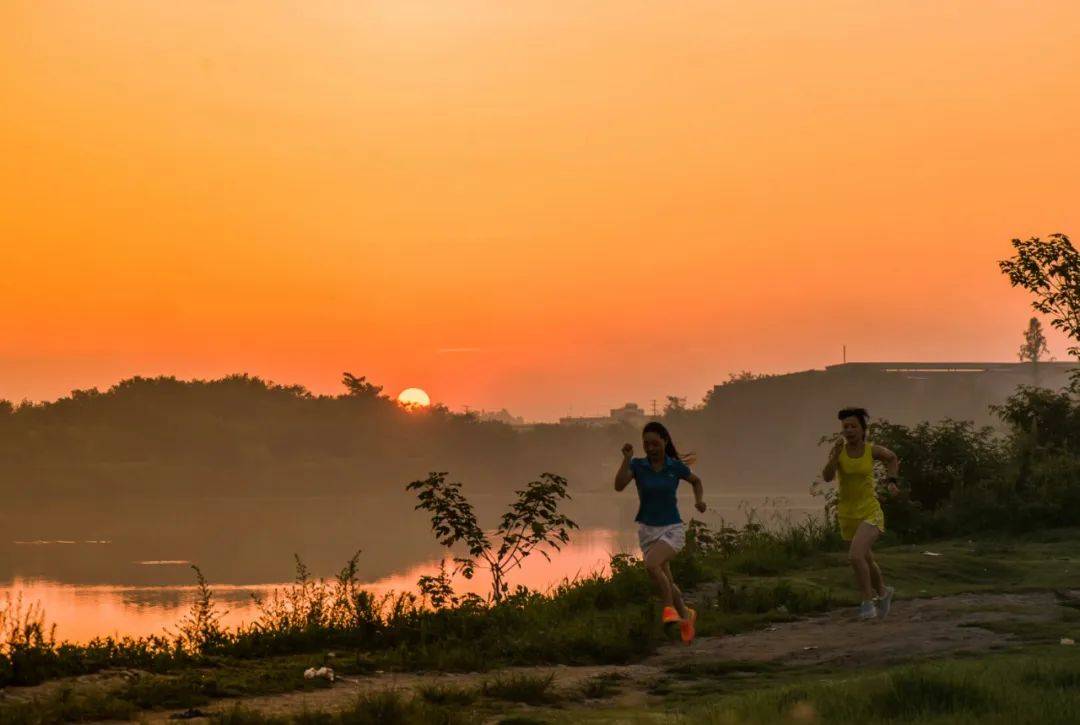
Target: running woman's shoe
[672, 621]
[885, 603]
[686, 626]
[867, 610]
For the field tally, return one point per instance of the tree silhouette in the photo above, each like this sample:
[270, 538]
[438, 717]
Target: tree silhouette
[359, 387]
[675, 405]
[1034, 346]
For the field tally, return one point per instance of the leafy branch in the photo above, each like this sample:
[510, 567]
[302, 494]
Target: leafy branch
[533, 524]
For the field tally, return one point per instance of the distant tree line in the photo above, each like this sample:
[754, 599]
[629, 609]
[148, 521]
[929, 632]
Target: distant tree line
[242, 434]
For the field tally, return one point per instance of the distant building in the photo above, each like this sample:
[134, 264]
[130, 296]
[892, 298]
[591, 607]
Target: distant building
[629, 414]
[501, 416]
[594, 421]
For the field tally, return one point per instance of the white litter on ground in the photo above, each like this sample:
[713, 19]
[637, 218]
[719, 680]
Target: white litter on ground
[324, 672]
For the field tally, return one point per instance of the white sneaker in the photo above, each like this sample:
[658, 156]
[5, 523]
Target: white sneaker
[885, 603]
[867, 610]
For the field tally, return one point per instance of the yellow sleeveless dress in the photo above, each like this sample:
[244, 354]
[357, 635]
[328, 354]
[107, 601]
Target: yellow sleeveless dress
[858, 498]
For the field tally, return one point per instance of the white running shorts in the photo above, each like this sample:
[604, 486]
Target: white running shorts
[674, 535]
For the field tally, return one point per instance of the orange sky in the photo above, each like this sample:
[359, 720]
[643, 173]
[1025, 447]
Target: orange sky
[526, 204]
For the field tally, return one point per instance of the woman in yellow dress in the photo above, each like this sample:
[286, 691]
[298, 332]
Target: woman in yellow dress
[861, 518]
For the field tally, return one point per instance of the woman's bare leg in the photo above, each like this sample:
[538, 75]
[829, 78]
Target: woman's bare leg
[877, 581]
[676, 594]
[656, 561]
[865, 536]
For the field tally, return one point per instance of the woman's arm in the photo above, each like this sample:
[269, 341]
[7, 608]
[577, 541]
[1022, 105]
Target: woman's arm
[892, 465]
[624, 475]
[829, 472]
[699, 492]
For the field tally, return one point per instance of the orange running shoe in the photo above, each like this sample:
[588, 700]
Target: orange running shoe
[686, 626]
[670, 616]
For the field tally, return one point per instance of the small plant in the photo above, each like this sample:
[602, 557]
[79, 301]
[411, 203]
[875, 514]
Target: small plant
[241, 715]
[200, 631]
[517, 687]
[26, 642]
[533, 524]
[447, 694]
[438, 589]
[602, 686]
[782, 596]
[66, 704]
[384, 706]
[914, 693]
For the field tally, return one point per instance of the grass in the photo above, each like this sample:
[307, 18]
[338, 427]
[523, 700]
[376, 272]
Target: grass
[384, 707]
[1008, 688]
[1051, 561]
[1037, 685]
[68, 704]
[1028, 632]
[822, 580]
[720, 668]
[447, 694]
[120, 697]
[602, 686]
[523, 688]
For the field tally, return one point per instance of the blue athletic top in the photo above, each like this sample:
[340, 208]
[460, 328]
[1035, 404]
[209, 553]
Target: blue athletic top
[656, 489]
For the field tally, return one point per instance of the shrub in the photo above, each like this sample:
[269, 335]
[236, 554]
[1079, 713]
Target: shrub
[518, 687]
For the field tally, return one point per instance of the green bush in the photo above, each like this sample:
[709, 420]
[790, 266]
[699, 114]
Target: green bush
[1046, 419]
[939, 460]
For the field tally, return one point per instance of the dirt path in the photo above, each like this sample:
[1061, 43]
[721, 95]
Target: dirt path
[916, 629]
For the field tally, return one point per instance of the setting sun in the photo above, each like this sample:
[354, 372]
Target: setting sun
[413, 398]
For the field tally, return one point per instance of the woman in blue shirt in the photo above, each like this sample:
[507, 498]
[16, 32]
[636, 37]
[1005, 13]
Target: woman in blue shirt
[660, 528]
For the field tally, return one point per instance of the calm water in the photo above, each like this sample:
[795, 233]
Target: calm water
[125, 570]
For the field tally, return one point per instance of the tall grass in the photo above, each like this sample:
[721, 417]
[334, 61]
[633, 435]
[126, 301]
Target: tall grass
[756, 548]
[385, 707]
[529, 689]
[29, 652]
[1004, 689]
